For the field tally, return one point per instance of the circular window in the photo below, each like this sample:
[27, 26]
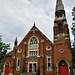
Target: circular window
[19, 50]
[61, 50]
[48, 47]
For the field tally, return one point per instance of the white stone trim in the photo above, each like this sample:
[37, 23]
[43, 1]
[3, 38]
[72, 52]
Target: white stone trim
[19, 51]
[30, 57]
[65, 22]
[49, 56]
[58, 39]
[32, 62]
[60, 18]
[2, 73]
[61, 51]
[23, 56]
[31, 38]
[13, 57]
[67, 64]
[59, 35]
[17, 63]
[10, 73]
[55, 24]
[47, 47]
[24, 43]
[4, 66]
[42, 40]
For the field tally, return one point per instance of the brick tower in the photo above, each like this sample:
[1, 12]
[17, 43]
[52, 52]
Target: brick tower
[62, 54]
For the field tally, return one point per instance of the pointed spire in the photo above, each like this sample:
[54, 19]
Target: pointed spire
[15, 43]
[59, 5]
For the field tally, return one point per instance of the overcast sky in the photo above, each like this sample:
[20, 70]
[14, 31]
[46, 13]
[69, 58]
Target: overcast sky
[17, 17]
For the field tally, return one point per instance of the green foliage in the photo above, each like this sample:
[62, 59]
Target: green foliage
[73, 56]
[3, 49]
[72, 51]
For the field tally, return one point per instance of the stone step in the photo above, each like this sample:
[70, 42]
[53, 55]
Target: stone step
[29, 74]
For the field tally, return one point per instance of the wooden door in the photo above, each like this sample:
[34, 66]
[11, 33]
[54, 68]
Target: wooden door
[6, 70]
[63, 70]
[30, 68]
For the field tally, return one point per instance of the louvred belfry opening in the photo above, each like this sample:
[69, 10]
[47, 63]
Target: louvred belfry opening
[60, 28]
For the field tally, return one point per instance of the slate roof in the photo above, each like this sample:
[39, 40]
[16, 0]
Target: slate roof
[10, 53]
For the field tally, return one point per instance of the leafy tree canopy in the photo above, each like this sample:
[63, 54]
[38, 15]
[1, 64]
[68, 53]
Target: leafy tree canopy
[73, 56]
[3, 49]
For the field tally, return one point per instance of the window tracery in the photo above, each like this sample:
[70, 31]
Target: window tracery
[33, 46]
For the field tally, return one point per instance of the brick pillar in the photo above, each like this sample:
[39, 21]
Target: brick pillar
[41, 60]
[13, 62]
[12, 68]
[41, 66]
[23, 57]
[71, 70]
[55, 71]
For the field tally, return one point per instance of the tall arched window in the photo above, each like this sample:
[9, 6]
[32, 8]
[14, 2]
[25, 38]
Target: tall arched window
[33, 46]
[60, 28]
[33, 43]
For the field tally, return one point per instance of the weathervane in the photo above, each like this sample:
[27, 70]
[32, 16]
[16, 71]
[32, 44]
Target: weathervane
[73, 25]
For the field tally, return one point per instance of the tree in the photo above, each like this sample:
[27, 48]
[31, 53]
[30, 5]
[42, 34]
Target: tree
[3, 49]
[73, 32]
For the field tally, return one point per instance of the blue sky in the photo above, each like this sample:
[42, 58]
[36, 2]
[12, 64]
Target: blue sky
[17, 17]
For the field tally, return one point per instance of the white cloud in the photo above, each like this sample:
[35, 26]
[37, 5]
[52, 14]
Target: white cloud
[17, 17]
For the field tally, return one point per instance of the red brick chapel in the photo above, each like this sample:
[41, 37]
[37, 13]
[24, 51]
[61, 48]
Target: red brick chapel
[37, 55]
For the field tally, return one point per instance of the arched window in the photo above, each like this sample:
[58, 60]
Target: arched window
[60, 28]
[33, 43]
[33, 46]
[49, 65]
[18, 63]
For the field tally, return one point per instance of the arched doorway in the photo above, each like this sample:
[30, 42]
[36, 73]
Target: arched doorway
[63, 67]
[6, 69]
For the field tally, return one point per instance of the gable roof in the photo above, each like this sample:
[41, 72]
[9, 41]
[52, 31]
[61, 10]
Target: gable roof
[35, 31]
[10, 53]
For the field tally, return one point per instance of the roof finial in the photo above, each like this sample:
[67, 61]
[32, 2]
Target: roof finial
[34, 23]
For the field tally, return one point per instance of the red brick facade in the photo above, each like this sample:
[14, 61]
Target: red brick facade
[48, 57]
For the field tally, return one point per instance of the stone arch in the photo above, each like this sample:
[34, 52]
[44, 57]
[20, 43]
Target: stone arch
[67, 63]
[31, 38]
